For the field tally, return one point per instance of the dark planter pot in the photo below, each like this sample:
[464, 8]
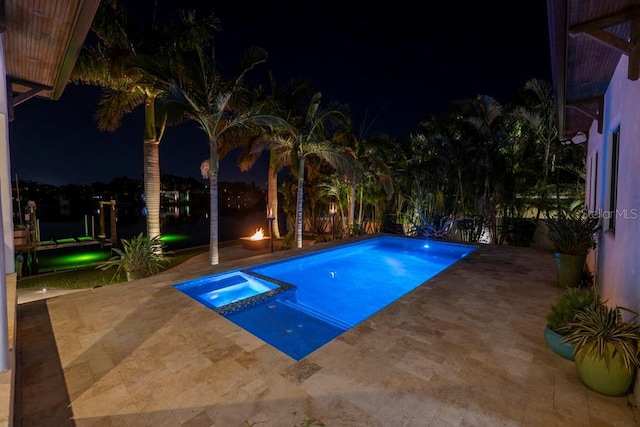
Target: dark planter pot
[606, 375]
[554, 340]
[569, 269]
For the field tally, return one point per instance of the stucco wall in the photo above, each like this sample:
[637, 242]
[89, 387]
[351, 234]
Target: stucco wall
[7, 274]
[617, 259]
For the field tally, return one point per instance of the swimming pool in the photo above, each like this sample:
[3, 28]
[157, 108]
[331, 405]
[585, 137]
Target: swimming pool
[320, 295]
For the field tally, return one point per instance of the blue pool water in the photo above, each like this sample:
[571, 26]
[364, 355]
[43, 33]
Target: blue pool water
[327, 292]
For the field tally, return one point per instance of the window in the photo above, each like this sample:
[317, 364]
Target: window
[613, 196]
[594, 182]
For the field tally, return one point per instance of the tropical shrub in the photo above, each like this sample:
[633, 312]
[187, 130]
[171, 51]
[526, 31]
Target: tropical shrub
[139, 257]
[573, 235]
[569, 302]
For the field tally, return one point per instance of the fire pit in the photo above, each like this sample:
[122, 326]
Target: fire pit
[255, 242]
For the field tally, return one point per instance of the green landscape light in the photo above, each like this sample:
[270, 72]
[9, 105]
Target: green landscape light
[73, 260]
[168, 238]
[85, 257]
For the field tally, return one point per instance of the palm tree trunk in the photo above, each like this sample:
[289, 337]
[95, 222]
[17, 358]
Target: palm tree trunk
[152, 187]
[352, 203]
[272, 199]
[214, 255]
[151, 159]
[547, 151]
[361, 213]
[299, 203]
[461, 191]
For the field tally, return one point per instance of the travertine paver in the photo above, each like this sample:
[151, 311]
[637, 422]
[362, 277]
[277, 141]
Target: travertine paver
[465, 348]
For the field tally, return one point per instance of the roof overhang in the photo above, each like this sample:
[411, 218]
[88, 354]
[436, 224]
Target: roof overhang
[42, 40]
[587, 38]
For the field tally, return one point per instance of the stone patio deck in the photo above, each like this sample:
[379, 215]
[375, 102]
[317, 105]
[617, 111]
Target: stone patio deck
[465, 348]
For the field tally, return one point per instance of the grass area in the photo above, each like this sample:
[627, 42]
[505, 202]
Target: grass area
[90, 277]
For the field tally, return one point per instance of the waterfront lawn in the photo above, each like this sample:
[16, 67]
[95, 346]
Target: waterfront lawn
[90, 277]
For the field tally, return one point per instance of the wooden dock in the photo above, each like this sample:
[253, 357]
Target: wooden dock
[62, 243]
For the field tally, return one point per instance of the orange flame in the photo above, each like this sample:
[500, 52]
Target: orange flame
[259, 235]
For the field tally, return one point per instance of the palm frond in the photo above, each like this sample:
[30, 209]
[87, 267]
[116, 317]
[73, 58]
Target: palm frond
[251, 152]
[114, 104]
[187, 32]
[114, 26]
[251, 58]
[333, 155]
[312, 109]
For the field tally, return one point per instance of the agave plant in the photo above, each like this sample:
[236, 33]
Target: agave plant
[598, 328]
[139, 257]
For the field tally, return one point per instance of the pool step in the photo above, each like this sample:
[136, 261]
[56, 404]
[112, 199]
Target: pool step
[292, 303]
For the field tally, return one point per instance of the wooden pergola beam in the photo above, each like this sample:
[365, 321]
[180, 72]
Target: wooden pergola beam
[581, 105]
[3, 17]
[13, 100]
[608, 39]
[634, 53]
[606, 21]
[35, 90]
[596, 30]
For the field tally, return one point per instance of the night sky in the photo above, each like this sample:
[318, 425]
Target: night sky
[392, 61]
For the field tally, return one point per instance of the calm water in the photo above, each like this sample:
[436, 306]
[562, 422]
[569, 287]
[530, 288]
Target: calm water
[182, 227]
[336, 289]
[186, 227]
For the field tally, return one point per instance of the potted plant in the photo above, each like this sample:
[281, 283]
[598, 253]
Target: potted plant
[562, 313]
[573, 238]
[139, 257]
[606, 348]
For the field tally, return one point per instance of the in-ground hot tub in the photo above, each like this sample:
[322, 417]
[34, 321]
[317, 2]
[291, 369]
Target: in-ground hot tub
[231, 288]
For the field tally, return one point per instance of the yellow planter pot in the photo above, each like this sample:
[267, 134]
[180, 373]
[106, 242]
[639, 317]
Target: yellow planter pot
[606, 375]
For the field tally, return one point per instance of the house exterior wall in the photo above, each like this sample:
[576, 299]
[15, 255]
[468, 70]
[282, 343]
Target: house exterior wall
[6, 205]
[616, 262]
[7, 270]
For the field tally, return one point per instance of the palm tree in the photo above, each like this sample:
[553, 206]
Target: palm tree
[310, 137]
[287, 191]
[484, 113]
[537, 113]
[112, 64]
[338, 188]
[442, 150]
[370, 160]
[282, 102]
[540, 115]
[216, 105]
